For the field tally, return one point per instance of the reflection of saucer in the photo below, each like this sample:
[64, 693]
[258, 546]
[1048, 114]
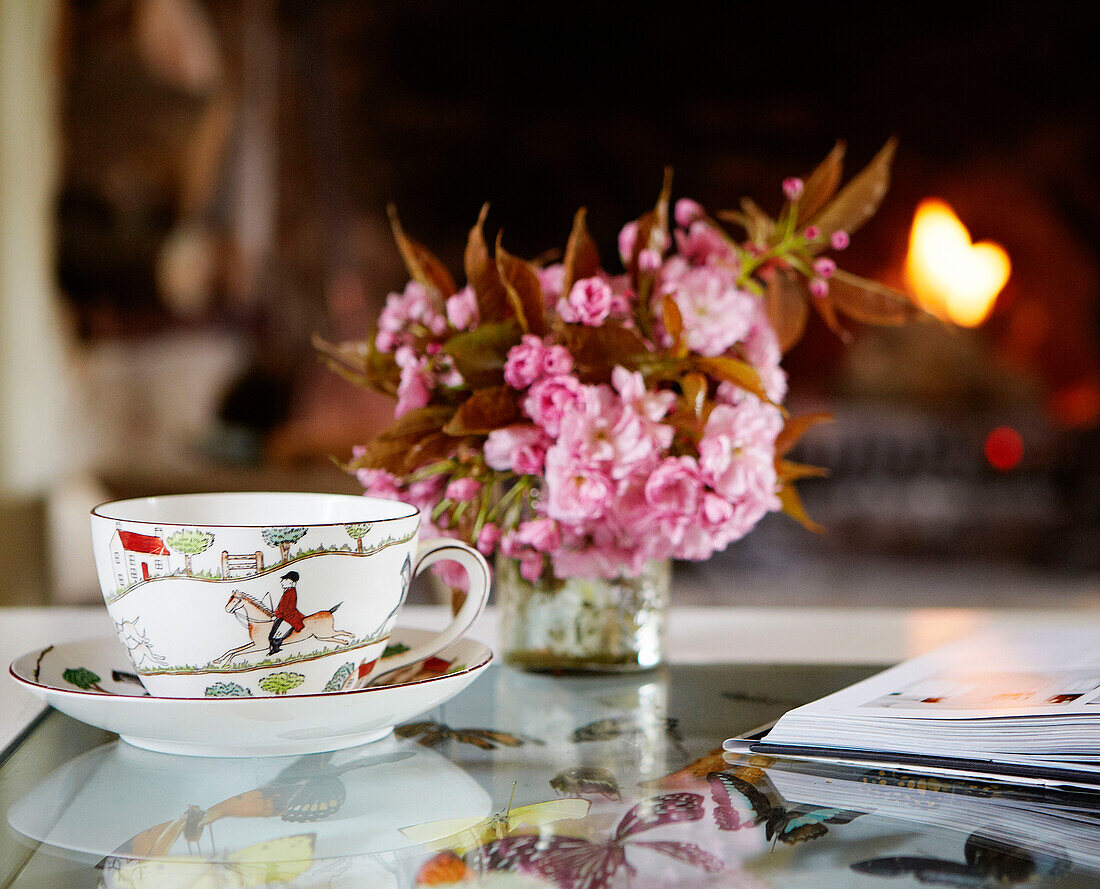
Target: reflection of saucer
[351, 803]
[90, 681]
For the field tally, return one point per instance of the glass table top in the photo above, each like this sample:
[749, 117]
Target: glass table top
[530, 780]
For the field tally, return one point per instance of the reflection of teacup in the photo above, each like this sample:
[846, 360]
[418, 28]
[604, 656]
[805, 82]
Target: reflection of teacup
[197, 813]
[266, 593]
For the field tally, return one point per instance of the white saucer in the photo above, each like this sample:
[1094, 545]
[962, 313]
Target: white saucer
[103, 695]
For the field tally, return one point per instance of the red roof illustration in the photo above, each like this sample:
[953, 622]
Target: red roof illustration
[142, 543]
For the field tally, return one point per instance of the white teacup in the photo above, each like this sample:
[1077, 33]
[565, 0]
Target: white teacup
[267, 593]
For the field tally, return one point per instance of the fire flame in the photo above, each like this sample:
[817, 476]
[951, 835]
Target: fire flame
[951, 276]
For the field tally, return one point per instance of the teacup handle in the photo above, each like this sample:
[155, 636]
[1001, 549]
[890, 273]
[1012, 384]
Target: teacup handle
[443, 549]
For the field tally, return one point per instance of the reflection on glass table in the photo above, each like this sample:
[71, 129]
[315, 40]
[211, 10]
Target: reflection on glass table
[533, 780]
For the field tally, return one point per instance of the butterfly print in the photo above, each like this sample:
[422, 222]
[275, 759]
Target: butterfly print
[463, 834]
[577, 863]
[619, 726]
[585, 781]
[751, 792]
[432, 733]
[988, 862]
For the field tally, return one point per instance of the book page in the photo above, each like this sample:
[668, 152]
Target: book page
[995, 673]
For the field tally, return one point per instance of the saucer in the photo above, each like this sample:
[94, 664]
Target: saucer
[91, 680]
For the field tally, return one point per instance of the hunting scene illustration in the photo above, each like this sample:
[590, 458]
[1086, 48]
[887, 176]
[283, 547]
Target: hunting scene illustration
[277, 595]
[138, 558]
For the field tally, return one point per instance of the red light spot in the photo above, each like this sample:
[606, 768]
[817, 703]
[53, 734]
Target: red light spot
[1004, 448]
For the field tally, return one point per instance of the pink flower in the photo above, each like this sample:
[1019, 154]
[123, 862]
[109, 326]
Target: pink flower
[379, 483]
[792, 188]
[715, 313]
[541, 534]
[819, 287]
[840, 240]
[404, 311]
[627, 236]
[524, 364]
[521, 449]
[649, 261]
[737, 450]
[589, 302]
[687, 211]
[488, 538]
[575, 492]
[452, 574]
[426, 493]
[652, 405]
[547, 400]
[414, 388]
[530, 566]
[673, 492]
[462, 309]
[658, 240]
[551, 279]
[557, 360]
[462, 489]
[702, 242]
[825, 267]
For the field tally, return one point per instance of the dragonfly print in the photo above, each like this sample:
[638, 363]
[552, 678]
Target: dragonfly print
[578, 863]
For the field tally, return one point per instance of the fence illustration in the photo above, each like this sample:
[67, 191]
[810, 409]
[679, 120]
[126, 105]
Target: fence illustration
[237, 564]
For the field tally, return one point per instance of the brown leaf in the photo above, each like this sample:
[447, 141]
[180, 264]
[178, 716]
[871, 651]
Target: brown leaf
[581, 257]
[652, 226]
[786, 300]
[431, 449]
[674, 320]
[859, 200]
[736, 371]
[390, 449]
[524, 292]
[821, 184]
[484, 411]
[823, 305]
[480, 354]
[597, 350]
[869, 301]
[421, 263]
[482, 274]
[796, 427]
[694, 387]
[761, 225]
[788, 471]
[792, 506]
[360, 363]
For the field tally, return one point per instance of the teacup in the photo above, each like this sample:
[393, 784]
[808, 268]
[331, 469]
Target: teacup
[267, 593]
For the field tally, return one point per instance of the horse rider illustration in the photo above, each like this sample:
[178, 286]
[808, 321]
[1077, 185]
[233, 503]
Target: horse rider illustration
[287, 610]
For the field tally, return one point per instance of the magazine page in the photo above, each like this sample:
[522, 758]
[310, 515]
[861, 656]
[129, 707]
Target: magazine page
[993, 674]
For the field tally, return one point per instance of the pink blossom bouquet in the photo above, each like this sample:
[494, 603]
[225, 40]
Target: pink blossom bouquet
[585, 421]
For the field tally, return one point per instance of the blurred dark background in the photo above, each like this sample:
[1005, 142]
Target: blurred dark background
[225, 168]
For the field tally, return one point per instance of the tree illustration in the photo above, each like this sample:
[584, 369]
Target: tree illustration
[283, 538]
[82, 678]
[190, 542]
[340, 677]
[226, 690]
[357, 532]
[281, 683]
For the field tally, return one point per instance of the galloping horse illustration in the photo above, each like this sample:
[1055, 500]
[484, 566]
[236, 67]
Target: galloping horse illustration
[317, 625]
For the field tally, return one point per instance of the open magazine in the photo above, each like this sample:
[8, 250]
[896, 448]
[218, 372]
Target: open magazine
[1015, 703]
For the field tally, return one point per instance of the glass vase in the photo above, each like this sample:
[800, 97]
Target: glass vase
[581, 624]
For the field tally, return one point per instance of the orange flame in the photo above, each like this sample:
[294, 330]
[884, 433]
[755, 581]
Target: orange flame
[953, 277]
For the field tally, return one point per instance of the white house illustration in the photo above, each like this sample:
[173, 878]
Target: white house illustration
[137, 557]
